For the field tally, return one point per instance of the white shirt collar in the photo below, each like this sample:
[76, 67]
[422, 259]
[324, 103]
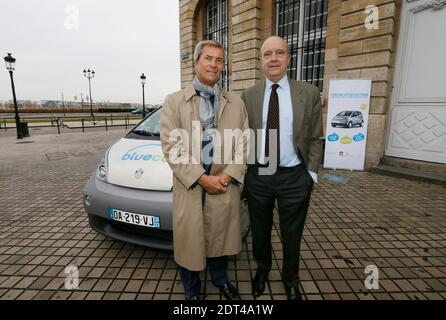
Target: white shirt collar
[283, 83]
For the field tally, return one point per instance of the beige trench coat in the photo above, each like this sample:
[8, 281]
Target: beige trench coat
[214, 230]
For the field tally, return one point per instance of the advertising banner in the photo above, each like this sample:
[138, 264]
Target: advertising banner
[347, 121]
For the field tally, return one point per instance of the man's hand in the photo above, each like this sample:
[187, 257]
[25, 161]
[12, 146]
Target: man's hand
[212, 184]
[225, 179]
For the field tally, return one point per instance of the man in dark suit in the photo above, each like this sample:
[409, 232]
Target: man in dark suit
[287, 156]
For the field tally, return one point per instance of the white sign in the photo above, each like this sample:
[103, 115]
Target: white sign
[347, 121]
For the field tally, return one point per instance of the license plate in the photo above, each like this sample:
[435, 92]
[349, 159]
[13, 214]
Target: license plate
[134, 218]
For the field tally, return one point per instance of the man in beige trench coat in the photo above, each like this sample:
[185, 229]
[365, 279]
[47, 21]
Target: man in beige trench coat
[206, 184]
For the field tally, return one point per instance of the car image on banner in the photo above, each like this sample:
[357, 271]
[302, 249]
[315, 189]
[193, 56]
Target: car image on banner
[129, 197]
[347, 123]
[348, 119]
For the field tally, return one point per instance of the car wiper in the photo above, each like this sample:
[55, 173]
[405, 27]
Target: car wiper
[146, 133]
[142, 132]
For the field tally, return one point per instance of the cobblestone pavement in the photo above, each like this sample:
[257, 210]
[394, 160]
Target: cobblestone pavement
[396, 224]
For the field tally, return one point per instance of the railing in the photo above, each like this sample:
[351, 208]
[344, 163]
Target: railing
[64, 121]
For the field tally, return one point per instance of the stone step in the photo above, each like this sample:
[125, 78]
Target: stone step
[418, 165]
[409, 173]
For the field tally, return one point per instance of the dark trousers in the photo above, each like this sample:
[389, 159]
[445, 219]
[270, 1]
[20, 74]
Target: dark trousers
[292, 188]
[218, 268]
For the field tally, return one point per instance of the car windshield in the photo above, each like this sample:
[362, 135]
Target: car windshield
[151, 125]
[344, 113]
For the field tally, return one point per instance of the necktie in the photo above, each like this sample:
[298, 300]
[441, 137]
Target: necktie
[273, 121]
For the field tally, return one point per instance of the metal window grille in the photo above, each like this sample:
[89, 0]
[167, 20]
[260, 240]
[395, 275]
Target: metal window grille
[217, 29]
[303, 24]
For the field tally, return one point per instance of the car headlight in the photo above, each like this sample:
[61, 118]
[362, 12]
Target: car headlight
[102, 170]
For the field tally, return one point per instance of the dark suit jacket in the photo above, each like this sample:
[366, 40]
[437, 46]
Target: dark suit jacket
[307, 119]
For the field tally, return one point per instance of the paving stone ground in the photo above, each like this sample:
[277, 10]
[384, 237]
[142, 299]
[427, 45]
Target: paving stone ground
[397, 225]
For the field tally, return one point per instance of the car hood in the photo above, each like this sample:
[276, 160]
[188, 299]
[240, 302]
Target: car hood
[139, 164]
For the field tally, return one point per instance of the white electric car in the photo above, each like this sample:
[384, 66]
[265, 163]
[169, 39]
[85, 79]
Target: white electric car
[129, 197]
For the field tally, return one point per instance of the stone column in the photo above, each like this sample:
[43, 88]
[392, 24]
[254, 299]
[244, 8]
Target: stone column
[188, 37]
[245, 47]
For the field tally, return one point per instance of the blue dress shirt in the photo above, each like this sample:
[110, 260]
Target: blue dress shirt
[288, 155]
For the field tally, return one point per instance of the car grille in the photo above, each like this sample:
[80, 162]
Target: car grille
[143, 231]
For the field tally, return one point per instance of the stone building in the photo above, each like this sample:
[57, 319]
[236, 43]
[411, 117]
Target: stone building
[402, 51]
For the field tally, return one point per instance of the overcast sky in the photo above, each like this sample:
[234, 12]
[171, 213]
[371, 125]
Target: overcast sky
[54, 40]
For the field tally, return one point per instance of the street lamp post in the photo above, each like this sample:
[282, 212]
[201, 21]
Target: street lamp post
[10, 64]
[143, 82]
[89, 74]
[63, 104]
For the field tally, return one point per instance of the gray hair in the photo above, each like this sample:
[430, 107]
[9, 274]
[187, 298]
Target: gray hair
[205, 43]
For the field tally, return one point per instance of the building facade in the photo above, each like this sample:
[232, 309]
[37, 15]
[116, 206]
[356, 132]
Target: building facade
[398, 44]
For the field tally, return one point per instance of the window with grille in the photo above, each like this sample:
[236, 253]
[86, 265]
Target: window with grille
[217, 29]
[303, 24]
